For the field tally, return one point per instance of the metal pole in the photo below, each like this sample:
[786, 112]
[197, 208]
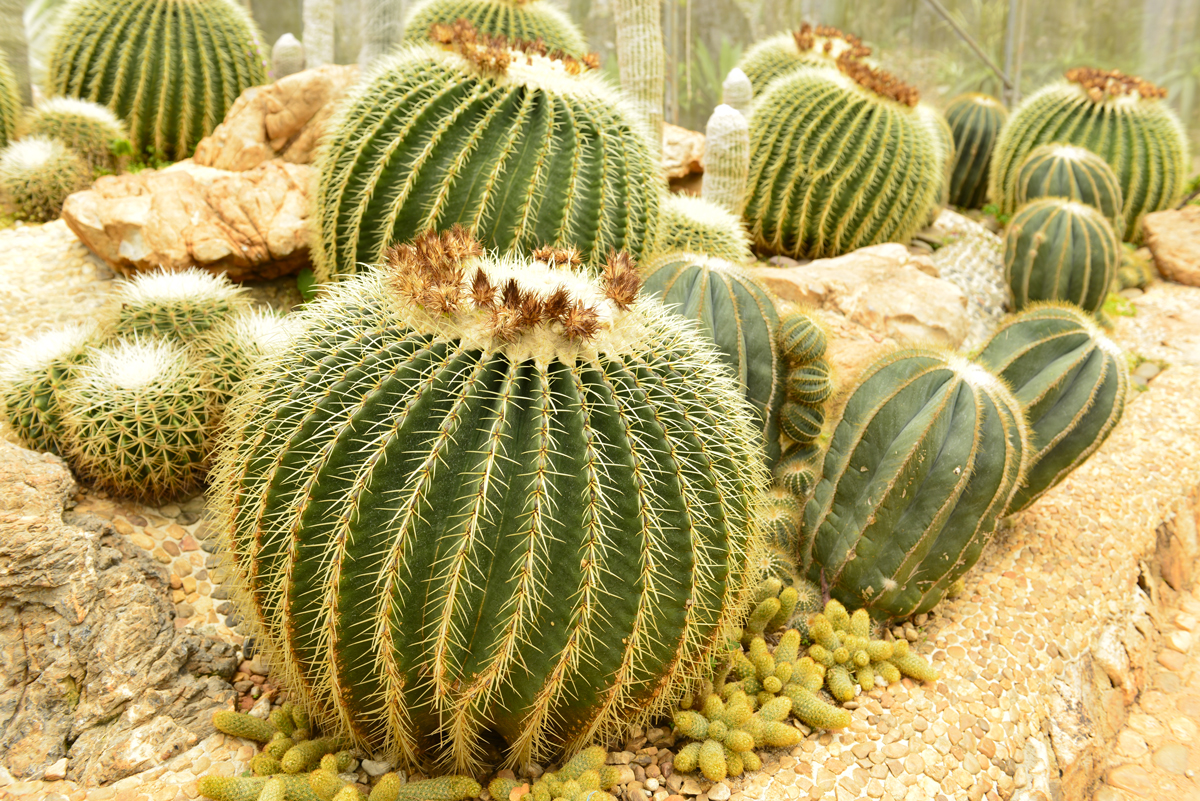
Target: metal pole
[1010, 39]
[966, 37]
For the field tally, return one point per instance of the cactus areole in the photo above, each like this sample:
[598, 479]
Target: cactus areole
[480, 497]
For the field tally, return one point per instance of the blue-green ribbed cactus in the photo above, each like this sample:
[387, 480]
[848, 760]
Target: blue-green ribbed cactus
[486, 495]
[975, 120]
[522, 149]
[1074, 173]
[10, 103]
[924, 461]
[523, 20]
[1123, 119]
[1070, 379]
[169, 68]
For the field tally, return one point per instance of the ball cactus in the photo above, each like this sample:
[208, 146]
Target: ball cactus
[819, 188]
[88, 128]
[1119, 117]
[523, 20]
[136, 419]
[169, 69]
[726, 160]
[531, 491]
[178, 305]
[801, 343]
[10, 102]
[1057, 249]
[32, 379]
[696, 225]
[524, 149]
[738, 315]
[809, 46]
[926, 458]
[1070, 379]
[36, 176]
[975, 120]
[1074, 173]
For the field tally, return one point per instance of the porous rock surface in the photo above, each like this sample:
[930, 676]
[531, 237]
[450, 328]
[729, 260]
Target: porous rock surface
[96, 683]
[682, 151]
[1173, 236]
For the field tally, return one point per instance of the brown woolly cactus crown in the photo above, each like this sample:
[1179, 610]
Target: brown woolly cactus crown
[828, 39]
[494, 54]
[1113, 83]
[877, 80]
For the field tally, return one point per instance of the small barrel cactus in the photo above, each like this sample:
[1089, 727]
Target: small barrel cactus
[235, 345]
[136, 419]
[696, 225]
[816, 190]
[1057, 249]
[523, 149]
[1070, 379]
[36, 176]
[801, 343]
[178, 305]
[169, 69]
[32, 379]
[975, 120]
[522, 20]
[1074, 173]
[91, 130]
[483, 494]
[809, 46]
[738, 315]
[736, 93]
[10, 103]
[924, 461]
[287, 56]
[1122, 118]
[726, 160]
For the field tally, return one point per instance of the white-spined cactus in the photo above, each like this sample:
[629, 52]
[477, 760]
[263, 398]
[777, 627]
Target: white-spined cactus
[32, 378]
[726, 159]
[91, 130]
[287, 56]
[642, 59]
[736, 93]
[178, 304]
[36, 176]
[484, 494]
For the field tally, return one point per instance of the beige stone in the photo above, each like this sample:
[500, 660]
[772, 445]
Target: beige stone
[682, 152]
[1173, 236]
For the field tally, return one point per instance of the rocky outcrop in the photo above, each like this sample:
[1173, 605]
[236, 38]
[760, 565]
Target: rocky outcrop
[682, 152]
[251, 225]
[92, 668]
[1173, 237]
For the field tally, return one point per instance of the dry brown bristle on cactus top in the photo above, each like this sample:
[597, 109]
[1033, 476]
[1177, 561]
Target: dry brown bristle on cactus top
[495, 53]
[1113, 83]
[621, 279]
[879, 81]
[806, 38]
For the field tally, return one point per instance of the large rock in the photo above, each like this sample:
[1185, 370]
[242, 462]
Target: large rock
[92, 667]
[251, 224]
[682, 151]
[1173, 237]
[282, 120]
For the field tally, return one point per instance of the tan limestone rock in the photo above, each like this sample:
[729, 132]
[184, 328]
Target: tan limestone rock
[682, 151]
[281, 120]
[251, 225]
[1173, 236]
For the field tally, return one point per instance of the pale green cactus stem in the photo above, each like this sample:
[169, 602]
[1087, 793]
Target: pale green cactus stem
[943, 139]
[726, 158]
[695, 225]
[524, 20]
[287, 56]
[319, 33]
[486, 452]
[736, 93]
[91, 130]
[37, 175]
[642, 60]
[10, 102]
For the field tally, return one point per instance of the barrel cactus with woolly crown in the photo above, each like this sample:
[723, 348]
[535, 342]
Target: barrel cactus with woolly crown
[523, 149]
[91, 130]
[32, 378]
[176, 304]
[1074, 173]
[1122, 118]
[1057, 249]
[10, 102]
[975, 121]
[481, 494]
[839, 160]
[170, 69]
[808, 46]
[696, 225]
[924, 461]
[738, 315]
[1070, 379]
[523, 20]
[36, 176]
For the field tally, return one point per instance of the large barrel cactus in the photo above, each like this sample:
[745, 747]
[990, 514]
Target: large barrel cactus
[1070, 379]
[482, 496]
[524, 20]
[1057, 249]
[924, 461]
[10, 103]
[1119, 117]
[839, 159]
[169, 68]
[975, 120]
[809, 46]
[523, 149]
[1074, 173]
[738, 315]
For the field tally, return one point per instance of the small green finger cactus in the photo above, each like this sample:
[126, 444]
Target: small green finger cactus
[250, 788]
[36, 176]
[444, 788]
[1071, 173]
[265, 764]
[524, 20]
[32, 379]
[239, 724]
[179, 305]
[273, 790]
[697, 225]
[10, 102]
[721, 735]
[90, 129]
[389, 784]
[975, 120]
[727, 160]
[305, 755]
[325, 783]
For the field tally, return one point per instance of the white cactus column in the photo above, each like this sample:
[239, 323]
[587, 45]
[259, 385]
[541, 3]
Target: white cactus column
[726, 159]
[642, 60]
[737, 92]
[318, 34]
[382, 26]
[287, 56]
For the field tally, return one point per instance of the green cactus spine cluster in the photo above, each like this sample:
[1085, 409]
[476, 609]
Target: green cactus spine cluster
[32, 379]
[1072, 173]
[975, 121]
[737, 314]
[835, 165]
[1057, 249]
[523, 20]
[727, 161]
[10, 103]
[170, 69]
[1123, 119]
[808, 46]
[808, 386]
[535, 495]
[525, 155]
[36, 176]
[695, 225]
[1070, 379]
[925, 459]
[179, 305]
[725, 732]
[91, 130]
